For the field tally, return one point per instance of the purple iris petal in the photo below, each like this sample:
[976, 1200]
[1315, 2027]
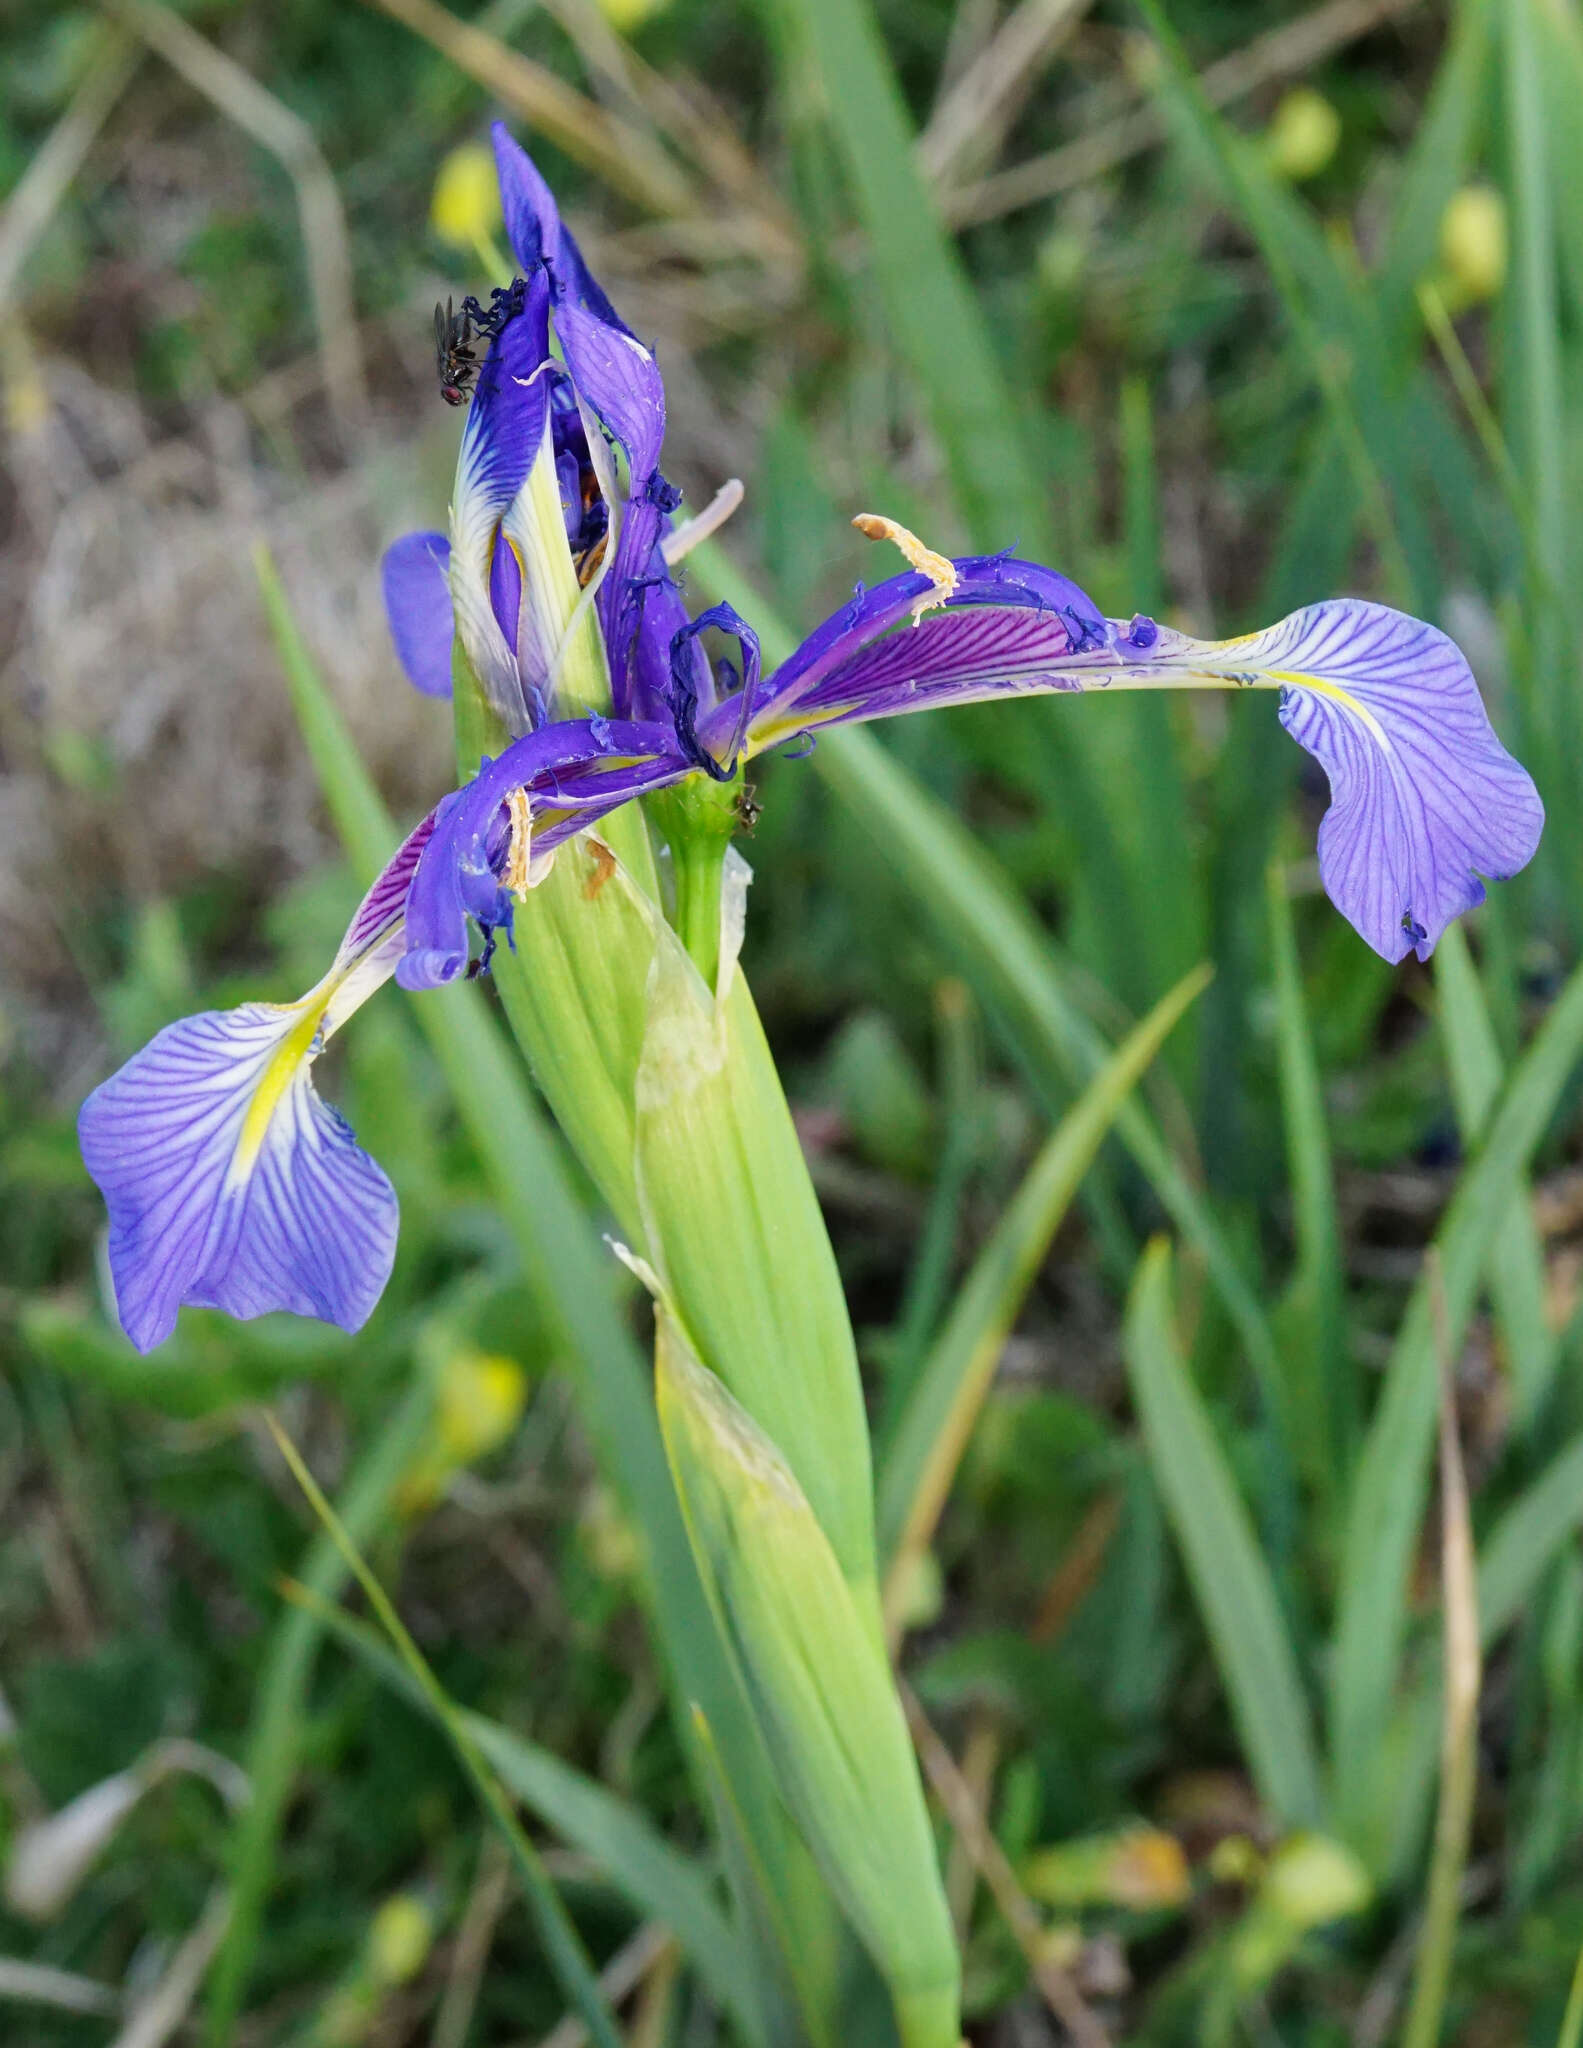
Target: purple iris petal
[505, 591]
[537, 233]
[533, 221]
[415, 574]
[620, 379]
[306, 1221]
[1424, 798]
[230, 1184]
[1005, 623]
[505, 422]
[585, 765]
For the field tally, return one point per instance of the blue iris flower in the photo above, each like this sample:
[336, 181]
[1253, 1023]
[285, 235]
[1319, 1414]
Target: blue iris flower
[230, 1184]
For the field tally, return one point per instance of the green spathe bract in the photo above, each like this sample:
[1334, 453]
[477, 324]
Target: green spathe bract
[818, 1682]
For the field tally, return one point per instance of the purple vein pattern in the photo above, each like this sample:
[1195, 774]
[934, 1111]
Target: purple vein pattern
[310, 1225]
[230, 1183]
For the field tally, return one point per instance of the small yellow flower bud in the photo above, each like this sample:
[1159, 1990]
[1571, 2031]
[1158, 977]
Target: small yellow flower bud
[478, 1401]
[399, 1938]
[1311, 1880]
[1139, 1868]
[481, 1397]
[1473, 244]
[627, 15]
[1302, 137]
[465, 208]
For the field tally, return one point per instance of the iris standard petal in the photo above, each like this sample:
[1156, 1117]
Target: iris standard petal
[230, 1184]
[537, 233]
[506, 428]
[620, 379]
[415, 576]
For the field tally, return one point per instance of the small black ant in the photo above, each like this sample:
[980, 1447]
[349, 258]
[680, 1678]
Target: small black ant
[455, 359]
[748, 807]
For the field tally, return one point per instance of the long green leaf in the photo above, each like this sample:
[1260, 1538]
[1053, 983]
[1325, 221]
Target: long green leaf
[1537, 425]
[934, 1428]
[1230, 1579]
[659, 1881]
[1389, 1491]
[1515, 1554]
[1278, 229]
[1320, 1391]
[937, 324]
[1517, 1263]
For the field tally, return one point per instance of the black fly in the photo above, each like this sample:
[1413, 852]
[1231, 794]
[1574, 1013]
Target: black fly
[456, 363]
[454, 332]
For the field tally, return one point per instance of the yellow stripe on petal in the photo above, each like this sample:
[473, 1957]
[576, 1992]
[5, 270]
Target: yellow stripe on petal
[276, 1078]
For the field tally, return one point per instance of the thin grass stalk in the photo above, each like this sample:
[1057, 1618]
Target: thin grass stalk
[277, 1724]
[563, 1946]
[1459, 1725]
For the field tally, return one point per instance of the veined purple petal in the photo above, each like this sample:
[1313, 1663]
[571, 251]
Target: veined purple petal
[1424, 798]
[537, 233]
[532, 219]
[208, 1208]
[583, 767]
[999, 633]
[506, 427]
[415, 575]
[229, 1183]
[505, 593]
[620, 379]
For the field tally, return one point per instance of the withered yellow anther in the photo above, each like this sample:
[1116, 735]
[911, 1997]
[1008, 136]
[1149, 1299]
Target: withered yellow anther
[521, 843]
[940, 569]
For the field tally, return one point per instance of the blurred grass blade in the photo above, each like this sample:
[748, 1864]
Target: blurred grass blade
[1229, 1577]
[564, 1260]
[938, 325]
[916, 1472]
[1518, 1549]
[1517, 1263]
[1004, 953]
[1459, 1726]
[1155, 829]
[1388, 1493]
[563, 1948]
[660, 1882]
[1319, 1387]
[1537, 426]
[1572, 2019]
[1436, 164]
[276, 1728]
[1260, 203]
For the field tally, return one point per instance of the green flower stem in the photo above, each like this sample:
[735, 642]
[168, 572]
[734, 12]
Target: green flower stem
[696, 820]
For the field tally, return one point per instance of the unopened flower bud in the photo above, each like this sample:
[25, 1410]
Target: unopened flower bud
[465, 207]
[1302, 137]
[1473, 243]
